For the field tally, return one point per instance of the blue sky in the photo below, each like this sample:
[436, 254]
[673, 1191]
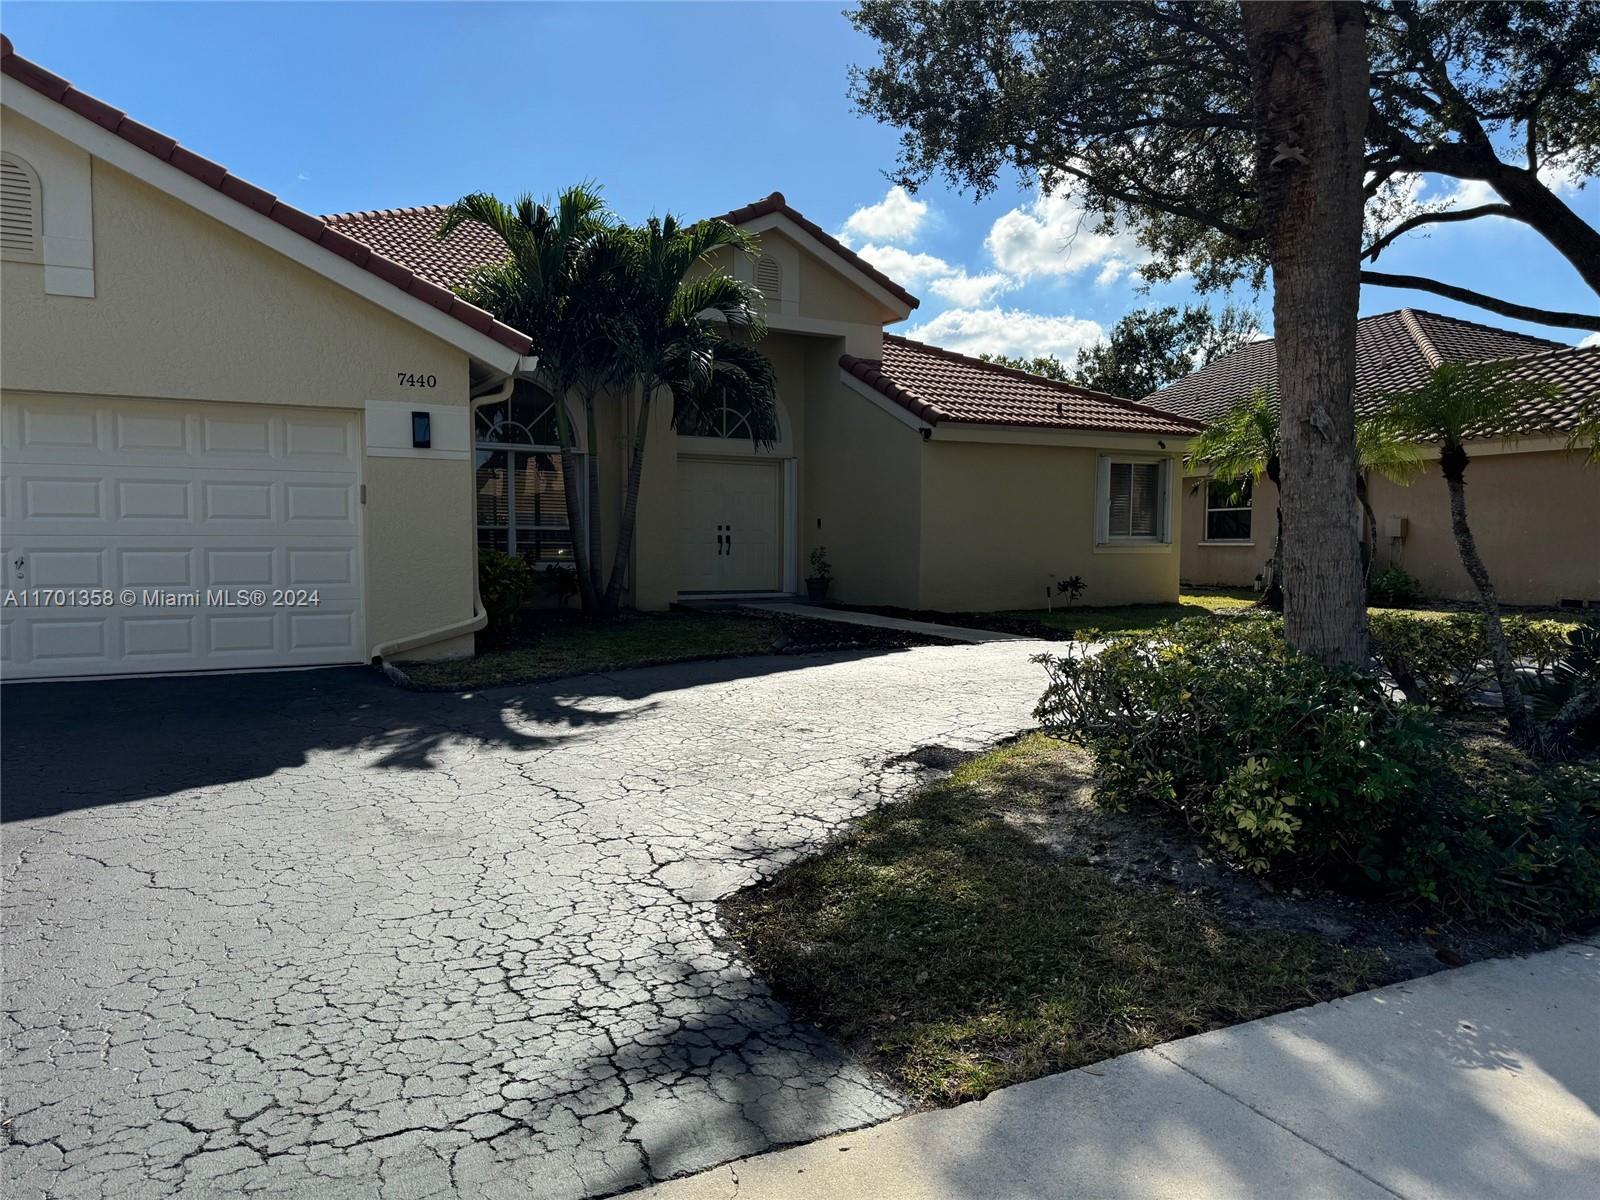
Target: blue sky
[693, 108]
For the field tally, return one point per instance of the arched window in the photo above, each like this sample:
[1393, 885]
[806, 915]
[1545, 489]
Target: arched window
[21, 211]
[719, 423]
[522, 501]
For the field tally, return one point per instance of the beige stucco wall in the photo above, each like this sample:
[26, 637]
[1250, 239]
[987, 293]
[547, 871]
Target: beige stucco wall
[186, 308]
[1000, 521]
[1535, 517]
[1225, 564]
[865, 481]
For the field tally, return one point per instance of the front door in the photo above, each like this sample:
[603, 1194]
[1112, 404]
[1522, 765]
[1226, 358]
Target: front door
[729, 538]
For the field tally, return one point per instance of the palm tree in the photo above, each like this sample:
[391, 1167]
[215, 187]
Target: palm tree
[1242, 445]
[1460, 401]
[1398, 459]
[561, 258]
[680, 337]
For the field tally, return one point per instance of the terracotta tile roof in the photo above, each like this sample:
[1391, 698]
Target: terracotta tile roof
[937, 385]
[314, 229]
[410, 236]
[407, 235]
[1394, 351]
[775, 203]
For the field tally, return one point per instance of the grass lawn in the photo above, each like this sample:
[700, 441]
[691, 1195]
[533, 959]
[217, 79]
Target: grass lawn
[1141, 618]
[575, 647]
[1088, 622]
[947, 938]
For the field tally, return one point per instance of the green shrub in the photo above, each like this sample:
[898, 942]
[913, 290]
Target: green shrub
[1566, 699]
[1281, 763]
[1445, 661]
[1522, 848]
[1392, 587]
[1286, 766]
[505, 583]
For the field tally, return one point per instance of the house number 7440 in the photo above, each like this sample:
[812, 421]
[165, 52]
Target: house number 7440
[408, 379]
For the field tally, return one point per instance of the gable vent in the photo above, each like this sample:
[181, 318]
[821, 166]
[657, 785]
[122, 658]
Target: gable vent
[19, 211]
[769, 278]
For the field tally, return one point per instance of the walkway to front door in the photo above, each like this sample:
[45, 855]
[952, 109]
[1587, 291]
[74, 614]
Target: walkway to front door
[729, 532]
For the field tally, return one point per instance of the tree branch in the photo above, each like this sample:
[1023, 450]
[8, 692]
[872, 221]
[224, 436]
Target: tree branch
[1436, 218]
[1520, 312]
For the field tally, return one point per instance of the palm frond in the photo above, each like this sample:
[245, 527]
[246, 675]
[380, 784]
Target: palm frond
[1381, 448]
[1239, 444]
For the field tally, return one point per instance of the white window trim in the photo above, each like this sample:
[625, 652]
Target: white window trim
[1162, 541]
[1205, 528]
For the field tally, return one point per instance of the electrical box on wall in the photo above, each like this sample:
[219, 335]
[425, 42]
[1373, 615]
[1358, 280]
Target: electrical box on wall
[1394, 528]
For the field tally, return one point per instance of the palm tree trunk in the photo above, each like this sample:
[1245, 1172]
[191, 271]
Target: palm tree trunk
[1309, 90]
[594, 493]
[573, 498]
[1273, 599]
[630, 506]
[1369, 529]
[1505, 671]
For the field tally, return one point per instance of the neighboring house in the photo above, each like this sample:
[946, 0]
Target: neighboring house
[1534, 508]
[213, 398]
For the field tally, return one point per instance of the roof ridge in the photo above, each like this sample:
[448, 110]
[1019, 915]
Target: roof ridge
[1045, 380]
[776, 202]
[368, 214]
[1433, 316]
[1412, 326]
[166, 149]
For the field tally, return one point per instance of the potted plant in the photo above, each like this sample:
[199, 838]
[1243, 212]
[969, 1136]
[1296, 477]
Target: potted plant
[821, 575]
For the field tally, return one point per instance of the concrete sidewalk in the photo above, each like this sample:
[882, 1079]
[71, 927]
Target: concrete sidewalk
[1478, 1082]
[843, 616]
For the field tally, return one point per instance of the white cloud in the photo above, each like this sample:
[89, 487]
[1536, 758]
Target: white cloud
[895, 218]
[1008, 331]
[1052, 235]
[906, 267]
[949, 282]
[967, 290]
[1589, 342]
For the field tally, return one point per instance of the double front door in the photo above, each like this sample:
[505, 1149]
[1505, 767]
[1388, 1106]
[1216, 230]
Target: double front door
[729, 517]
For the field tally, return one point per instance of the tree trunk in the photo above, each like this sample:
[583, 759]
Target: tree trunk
[593, 523]
[1273, 598]
[1309, 77]
[1369, 529]
[573, 498]
[630, 506]
[1453, 463]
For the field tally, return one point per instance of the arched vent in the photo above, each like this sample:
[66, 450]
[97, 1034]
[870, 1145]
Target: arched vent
[20, 236]
[769, 278]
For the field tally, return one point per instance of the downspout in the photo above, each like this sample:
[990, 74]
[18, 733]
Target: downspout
[493, 394]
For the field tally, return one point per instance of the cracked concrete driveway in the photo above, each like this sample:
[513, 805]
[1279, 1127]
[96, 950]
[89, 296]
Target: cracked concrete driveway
[307, 935]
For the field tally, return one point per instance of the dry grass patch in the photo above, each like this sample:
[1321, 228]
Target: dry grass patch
[962, 947]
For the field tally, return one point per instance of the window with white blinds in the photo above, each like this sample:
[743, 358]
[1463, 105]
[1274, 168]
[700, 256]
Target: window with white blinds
[20, 217]
[1133, 500]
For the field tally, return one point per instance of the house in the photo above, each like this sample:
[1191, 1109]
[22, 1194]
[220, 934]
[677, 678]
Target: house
[238, 436]
[1534, 508]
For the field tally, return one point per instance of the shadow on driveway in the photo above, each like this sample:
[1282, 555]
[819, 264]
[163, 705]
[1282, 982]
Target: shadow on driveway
[68, 746]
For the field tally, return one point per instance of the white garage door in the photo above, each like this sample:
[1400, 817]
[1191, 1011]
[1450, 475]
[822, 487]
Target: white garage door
[146, 536]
